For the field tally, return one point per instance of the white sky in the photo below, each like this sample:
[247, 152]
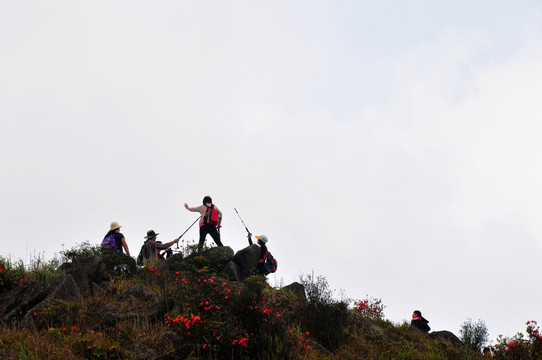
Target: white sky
[392, 147]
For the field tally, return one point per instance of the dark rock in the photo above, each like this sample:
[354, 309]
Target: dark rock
[218, 256]
[138, 293]
[247, 260]
[22, 302]
[297, 288]
[448, 336]
[110, 314]
[96, 289]
[62, 289]
[108, 310]
[15, 303]
[230, 271]
[85, 271]
[140, 352]
[171, 263]
[371, 326]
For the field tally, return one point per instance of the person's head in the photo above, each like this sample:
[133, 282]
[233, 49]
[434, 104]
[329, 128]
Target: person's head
[487, 351]
[115, 227]
[262, 239]
[207, 200]
[417, 313]
[151, 235]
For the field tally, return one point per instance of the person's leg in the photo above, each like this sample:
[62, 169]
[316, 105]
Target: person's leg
[202, 233]
[215, 235]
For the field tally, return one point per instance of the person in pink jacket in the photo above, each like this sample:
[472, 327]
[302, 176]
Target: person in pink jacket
[211, 218]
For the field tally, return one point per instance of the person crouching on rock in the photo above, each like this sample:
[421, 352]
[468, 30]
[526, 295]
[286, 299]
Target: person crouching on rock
[153, 247]
[262, 240]
[419, 322]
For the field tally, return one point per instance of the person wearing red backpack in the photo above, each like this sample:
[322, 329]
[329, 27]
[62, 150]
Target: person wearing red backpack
[262, 240]
[211, 218]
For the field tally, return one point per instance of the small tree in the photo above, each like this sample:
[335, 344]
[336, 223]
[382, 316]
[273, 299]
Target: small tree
[474, 335]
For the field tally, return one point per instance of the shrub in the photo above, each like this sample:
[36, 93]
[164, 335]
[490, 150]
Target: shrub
[517, 347]
[83, 249]
[370, 308]
[325, 317]
[474, 335]
[10, 275]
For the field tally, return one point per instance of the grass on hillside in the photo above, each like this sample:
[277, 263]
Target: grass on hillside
[213, 318]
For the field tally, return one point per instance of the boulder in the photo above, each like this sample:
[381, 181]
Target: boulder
[86, 270]
[25, 301]
[61, 289]
[230, 271]
[138, 294]
[218, 256]
[171, 263]
[448, 336]
[297, 288]
[247, 259]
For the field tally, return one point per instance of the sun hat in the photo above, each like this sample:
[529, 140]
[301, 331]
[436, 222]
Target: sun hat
[263, 238]
[115, 225]
[150, 234]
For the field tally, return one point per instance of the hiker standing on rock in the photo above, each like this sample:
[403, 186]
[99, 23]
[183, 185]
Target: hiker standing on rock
[153, 247]
[262, 240]
[115, 240]
[419, 322]
[211, 218]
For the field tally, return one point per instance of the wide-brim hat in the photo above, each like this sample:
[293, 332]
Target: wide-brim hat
[115, 225]
[263, 238]
[151, 234]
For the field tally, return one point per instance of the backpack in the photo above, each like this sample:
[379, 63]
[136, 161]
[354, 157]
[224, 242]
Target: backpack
[143, 255]
[211, 216]
[270, 265]
[110, 242]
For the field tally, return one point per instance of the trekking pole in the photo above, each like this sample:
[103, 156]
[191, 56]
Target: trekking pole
[241, 220]
[186, 231]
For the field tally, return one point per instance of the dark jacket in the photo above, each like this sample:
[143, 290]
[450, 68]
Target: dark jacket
[261, 260]
[420, 323]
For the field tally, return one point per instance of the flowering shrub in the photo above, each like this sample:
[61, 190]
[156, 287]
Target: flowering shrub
[10, 276]
[370, 308]
[214, 318]
[517, 347]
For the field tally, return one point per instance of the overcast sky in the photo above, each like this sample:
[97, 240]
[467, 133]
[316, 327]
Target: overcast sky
[392, 147]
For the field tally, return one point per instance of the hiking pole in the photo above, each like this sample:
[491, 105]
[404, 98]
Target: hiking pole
[241, 220]
[186, 231]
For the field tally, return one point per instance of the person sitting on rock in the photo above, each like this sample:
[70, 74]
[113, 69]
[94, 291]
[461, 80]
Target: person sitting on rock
[419, 322]
[115, 240]
[153, 247]
[262, 240]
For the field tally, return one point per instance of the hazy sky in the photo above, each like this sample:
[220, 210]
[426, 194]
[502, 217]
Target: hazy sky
[392, 147]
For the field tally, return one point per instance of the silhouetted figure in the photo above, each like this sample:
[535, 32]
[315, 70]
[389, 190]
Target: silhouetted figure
[419, 322]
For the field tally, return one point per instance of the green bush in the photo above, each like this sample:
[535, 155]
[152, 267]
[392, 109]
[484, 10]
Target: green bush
[325, 317]
[10, 275]
[474, 335]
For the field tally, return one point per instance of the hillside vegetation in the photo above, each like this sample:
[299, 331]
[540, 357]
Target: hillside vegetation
[94, 304]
